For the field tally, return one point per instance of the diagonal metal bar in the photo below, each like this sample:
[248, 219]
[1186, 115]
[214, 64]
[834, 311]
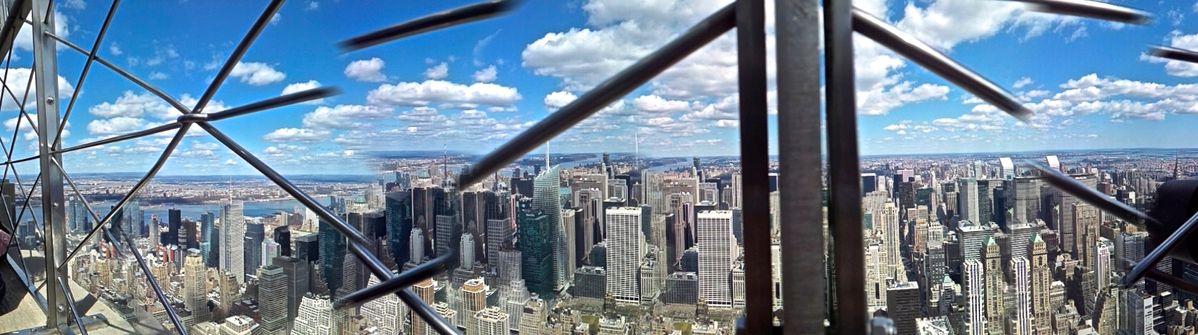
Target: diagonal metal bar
[238, 52]
[166, 153]
[170, 310]
[1172, 280]
[1160, 251]
[1093, 197]
[87, 66]
[18, 10]
[844, 195]
[358, 241]
[70, 298]
[907, 45]
[86, 205]
[435, 21]
[276, 102]
[403, 280]
[1090, 9]
[613, 88]
[123, 73]
[1174, 54]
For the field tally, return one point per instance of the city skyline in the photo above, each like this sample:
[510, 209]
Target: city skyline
[425, 94]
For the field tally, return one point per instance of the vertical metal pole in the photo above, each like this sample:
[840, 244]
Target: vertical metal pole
[844, 198]
[754, 152]
[45, 71]
[800, 200]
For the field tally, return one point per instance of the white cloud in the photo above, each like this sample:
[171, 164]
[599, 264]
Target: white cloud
[654, 103]
[62, 28]
[116, 125]
[344, 116]
[312, 5]
[439, 71]
[73, 4]
[882, 99]
[433, 92]
[257, 74]
[303, 86]
[367, 70]
[290, 135]
[1022, 82]
[17, 78]
[156, 75]
[115, 49]
[559, 99]
[486, 75]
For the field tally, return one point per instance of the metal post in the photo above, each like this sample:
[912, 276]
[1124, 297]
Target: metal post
[754, 152]
[844, 198]
[800, 202]
[45, 70]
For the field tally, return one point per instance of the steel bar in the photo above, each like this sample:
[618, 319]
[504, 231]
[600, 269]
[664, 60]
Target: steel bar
[66, 291]
[86, 205]
[1093, 197]
[45, 76]
[799, 150]
[401, 281]
[1160, 252]
[17, 12]
[357, 240]
[280, 101]
[1090, 9]
[907, 45]
[1172, 280]
[23, 276]
[428, 23]
[120, 204]
[170, 310]
[129, 76]
[1174, 54]
[87, 66]
[238, 52]
[602, 95]
[755, 165]
[844, 195]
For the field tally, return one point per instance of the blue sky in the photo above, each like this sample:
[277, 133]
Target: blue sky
[470, 88]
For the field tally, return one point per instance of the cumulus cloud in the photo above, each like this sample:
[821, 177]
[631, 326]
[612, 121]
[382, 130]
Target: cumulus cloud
[1175, 67]
[344, 116]
[257, 74]
[434, 92]
[1022, 82]
[654, 103]
[303, 86]
[559, 99]
[439, 71]
[486, 75]
[116, 125]
[367, 70]
[291, 135]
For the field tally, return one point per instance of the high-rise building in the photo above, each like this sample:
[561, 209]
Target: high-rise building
[1024, 199]
[491, 321]
[1075, 217]
[1137, 313]
[1022, 320]
[625, 248]
[282, 236]
[232, 254]
[316, 316]
[973, 274]
[426, 291]
[903, 306]
[195, 286]
[270, 250]
[1041, 285]
[968, 199]
[385, 312]
[536, 249]
[532, 322]
[398, 211]
[547, 198]
[473, 300]
[297, 273]
[212, 246]
[255, 233]
[239, 325]
[272, 307]
[332, 254]
[994, 287]
[717, 251]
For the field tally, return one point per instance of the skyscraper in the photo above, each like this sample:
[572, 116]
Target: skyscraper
[272, 306]
[195, 286]
[297, 272]
[398, 211]
[212, 234]
[717, 251]
[232, 256]
[994, 287]
[254, 234]
[426, 290]
[491, 321]
[975, 297]
[625, 249]
[1041, 285]
[536, 250]
[385, 312]
[1022, 324]
[547, 198]
[315, 316]
[968, 200]
[902, 305]
[332, 254]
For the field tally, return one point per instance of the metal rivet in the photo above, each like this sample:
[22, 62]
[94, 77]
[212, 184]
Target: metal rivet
[49, 101]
